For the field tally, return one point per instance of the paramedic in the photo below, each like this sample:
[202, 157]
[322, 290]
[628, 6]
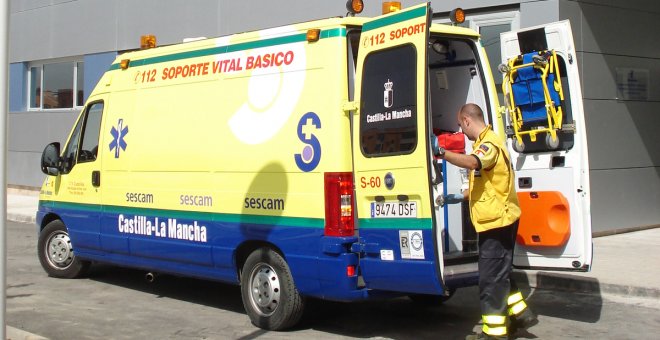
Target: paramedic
[494, 211]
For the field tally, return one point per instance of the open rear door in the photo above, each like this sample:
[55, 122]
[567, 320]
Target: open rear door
[392, 157]
[550, 158]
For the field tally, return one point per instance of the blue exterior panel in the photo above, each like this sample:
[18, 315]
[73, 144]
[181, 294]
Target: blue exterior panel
[18, 87]
[401, 275]
[213, 256]
[95, 66]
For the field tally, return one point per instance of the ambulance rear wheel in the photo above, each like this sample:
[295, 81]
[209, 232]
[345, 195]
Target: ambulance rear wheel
[269, 295]
[56, 252]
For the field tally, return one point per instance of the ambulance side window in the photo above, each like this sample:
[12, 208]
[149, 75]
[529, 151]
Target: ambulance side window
[90, 138]
[71, 150]
[388, 106]
[353, 40]
[84, 141]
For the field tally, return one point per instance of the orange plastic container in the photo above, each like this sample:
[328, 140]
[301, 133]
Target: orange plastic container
[545, 219]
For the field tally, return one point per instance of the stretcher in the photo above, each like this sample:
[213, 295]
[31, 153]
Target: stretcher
[533, 95]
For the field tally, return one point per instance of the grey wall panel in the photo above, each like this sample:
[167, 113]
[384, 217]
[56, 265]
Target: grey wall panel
[622, 134]
[635, 5]
[24, 168]
[598, 72]
[31, 131]
[67, 29]
[570, 10]
[262, 14]
[448, 5]
[624, 146]
[29, 134]
[625, 198]
[538, 13]
[25, 5]
[616, 29]
[170, 20]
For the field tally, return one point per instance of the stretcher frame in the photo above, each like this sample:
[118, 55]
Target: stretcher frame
[546, 62]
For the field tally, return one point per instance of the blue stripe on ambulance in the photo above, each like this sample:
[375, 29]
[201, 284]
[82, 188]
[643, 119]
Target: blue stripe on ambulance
[316, 267]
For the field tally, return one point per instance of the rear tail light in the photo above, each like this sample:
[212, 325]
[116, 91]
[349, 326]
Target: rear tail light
[339, 218]
[350, 270]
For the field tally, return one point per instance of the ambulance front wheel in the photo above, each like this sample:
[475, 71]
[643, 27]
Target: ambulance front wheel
[269, 295]
[56, 252]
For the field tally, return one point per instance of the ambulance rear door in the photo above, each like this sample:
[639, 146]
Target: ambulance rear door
[392, 158]
[552, 181]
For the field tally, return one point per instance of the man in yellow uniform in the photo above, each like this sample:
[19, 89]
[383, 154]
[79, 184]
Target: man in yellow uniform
[494, 211]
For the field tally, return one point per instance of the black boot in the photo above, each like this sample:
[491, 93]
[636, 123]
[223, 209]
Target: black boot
[525, 320]
[482, 336]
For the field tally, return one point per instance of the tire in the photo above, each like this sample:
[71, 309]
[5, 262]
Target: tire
[518, 146]
[270, 297]
[551, 143]
[431, 300]
[56, 253]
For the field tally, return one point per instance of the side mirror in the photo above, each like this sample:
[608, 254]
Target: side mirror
[50, 159]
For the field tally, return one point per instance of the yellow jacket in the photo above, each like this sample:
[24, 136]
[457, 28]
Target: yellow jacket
[493, 200]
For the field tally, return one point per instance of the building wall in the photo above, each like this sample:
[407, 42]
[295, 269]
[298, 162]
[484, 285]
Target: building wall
[624, 145]
[624, 148]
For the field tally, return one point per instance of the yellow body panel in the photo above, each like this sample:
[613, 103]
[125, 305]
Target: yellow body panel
[213, 125]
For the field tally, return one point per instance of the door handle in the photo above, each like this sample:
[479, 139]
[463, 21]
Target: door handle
[96, 178]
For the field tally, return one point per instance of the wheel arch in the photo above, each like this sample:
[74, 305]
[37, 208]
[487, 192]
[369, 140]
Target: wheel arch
[246, 248]
[50, 217]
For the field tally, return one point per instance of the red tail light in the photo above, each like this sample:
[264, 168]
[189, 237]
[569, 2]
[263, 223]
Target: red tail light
[339, 218]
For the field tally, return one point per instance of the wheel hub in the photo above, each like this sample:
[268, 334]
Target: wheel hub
[60, 252]
[264, 289]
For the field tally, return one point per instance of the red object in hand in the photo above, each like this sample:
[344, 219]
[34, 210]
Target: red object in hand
[452, 141]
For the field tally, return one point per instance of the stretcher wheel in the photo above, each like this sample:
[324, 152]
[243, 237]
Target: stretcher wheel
[551, 143]
[539, 60]
[503, 68]
[518, 146]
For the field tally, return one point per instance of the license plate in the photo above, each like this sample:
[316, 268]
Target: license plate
[394, 209]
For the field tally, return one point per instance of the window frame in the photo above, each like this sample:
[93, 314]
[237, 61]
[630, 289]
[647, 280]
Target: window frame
[75, 61]
[85, 131]
[361, 126]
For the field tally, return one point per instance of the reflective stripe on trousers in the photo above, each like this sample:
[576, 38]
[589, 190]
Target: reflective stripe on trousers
[516, 304]
[494, 325]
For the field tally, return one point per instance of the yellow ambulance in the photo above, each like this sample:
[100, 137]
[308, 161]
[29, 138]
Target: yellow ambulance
[296, 162]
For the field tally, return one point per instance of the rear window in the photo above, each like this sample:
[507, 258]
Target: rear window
[388, 110]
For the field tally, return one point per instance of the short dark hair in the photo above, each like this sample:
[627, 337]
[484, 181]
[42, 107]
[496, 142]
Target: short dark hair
[473, 111]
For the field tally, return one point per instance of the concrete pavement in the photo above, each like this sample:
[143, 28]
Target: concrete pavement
[624, 264]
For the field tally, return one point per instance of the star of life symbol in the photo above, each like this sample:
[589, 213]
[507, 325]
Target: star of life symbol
[388, 94]
[118, 135]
